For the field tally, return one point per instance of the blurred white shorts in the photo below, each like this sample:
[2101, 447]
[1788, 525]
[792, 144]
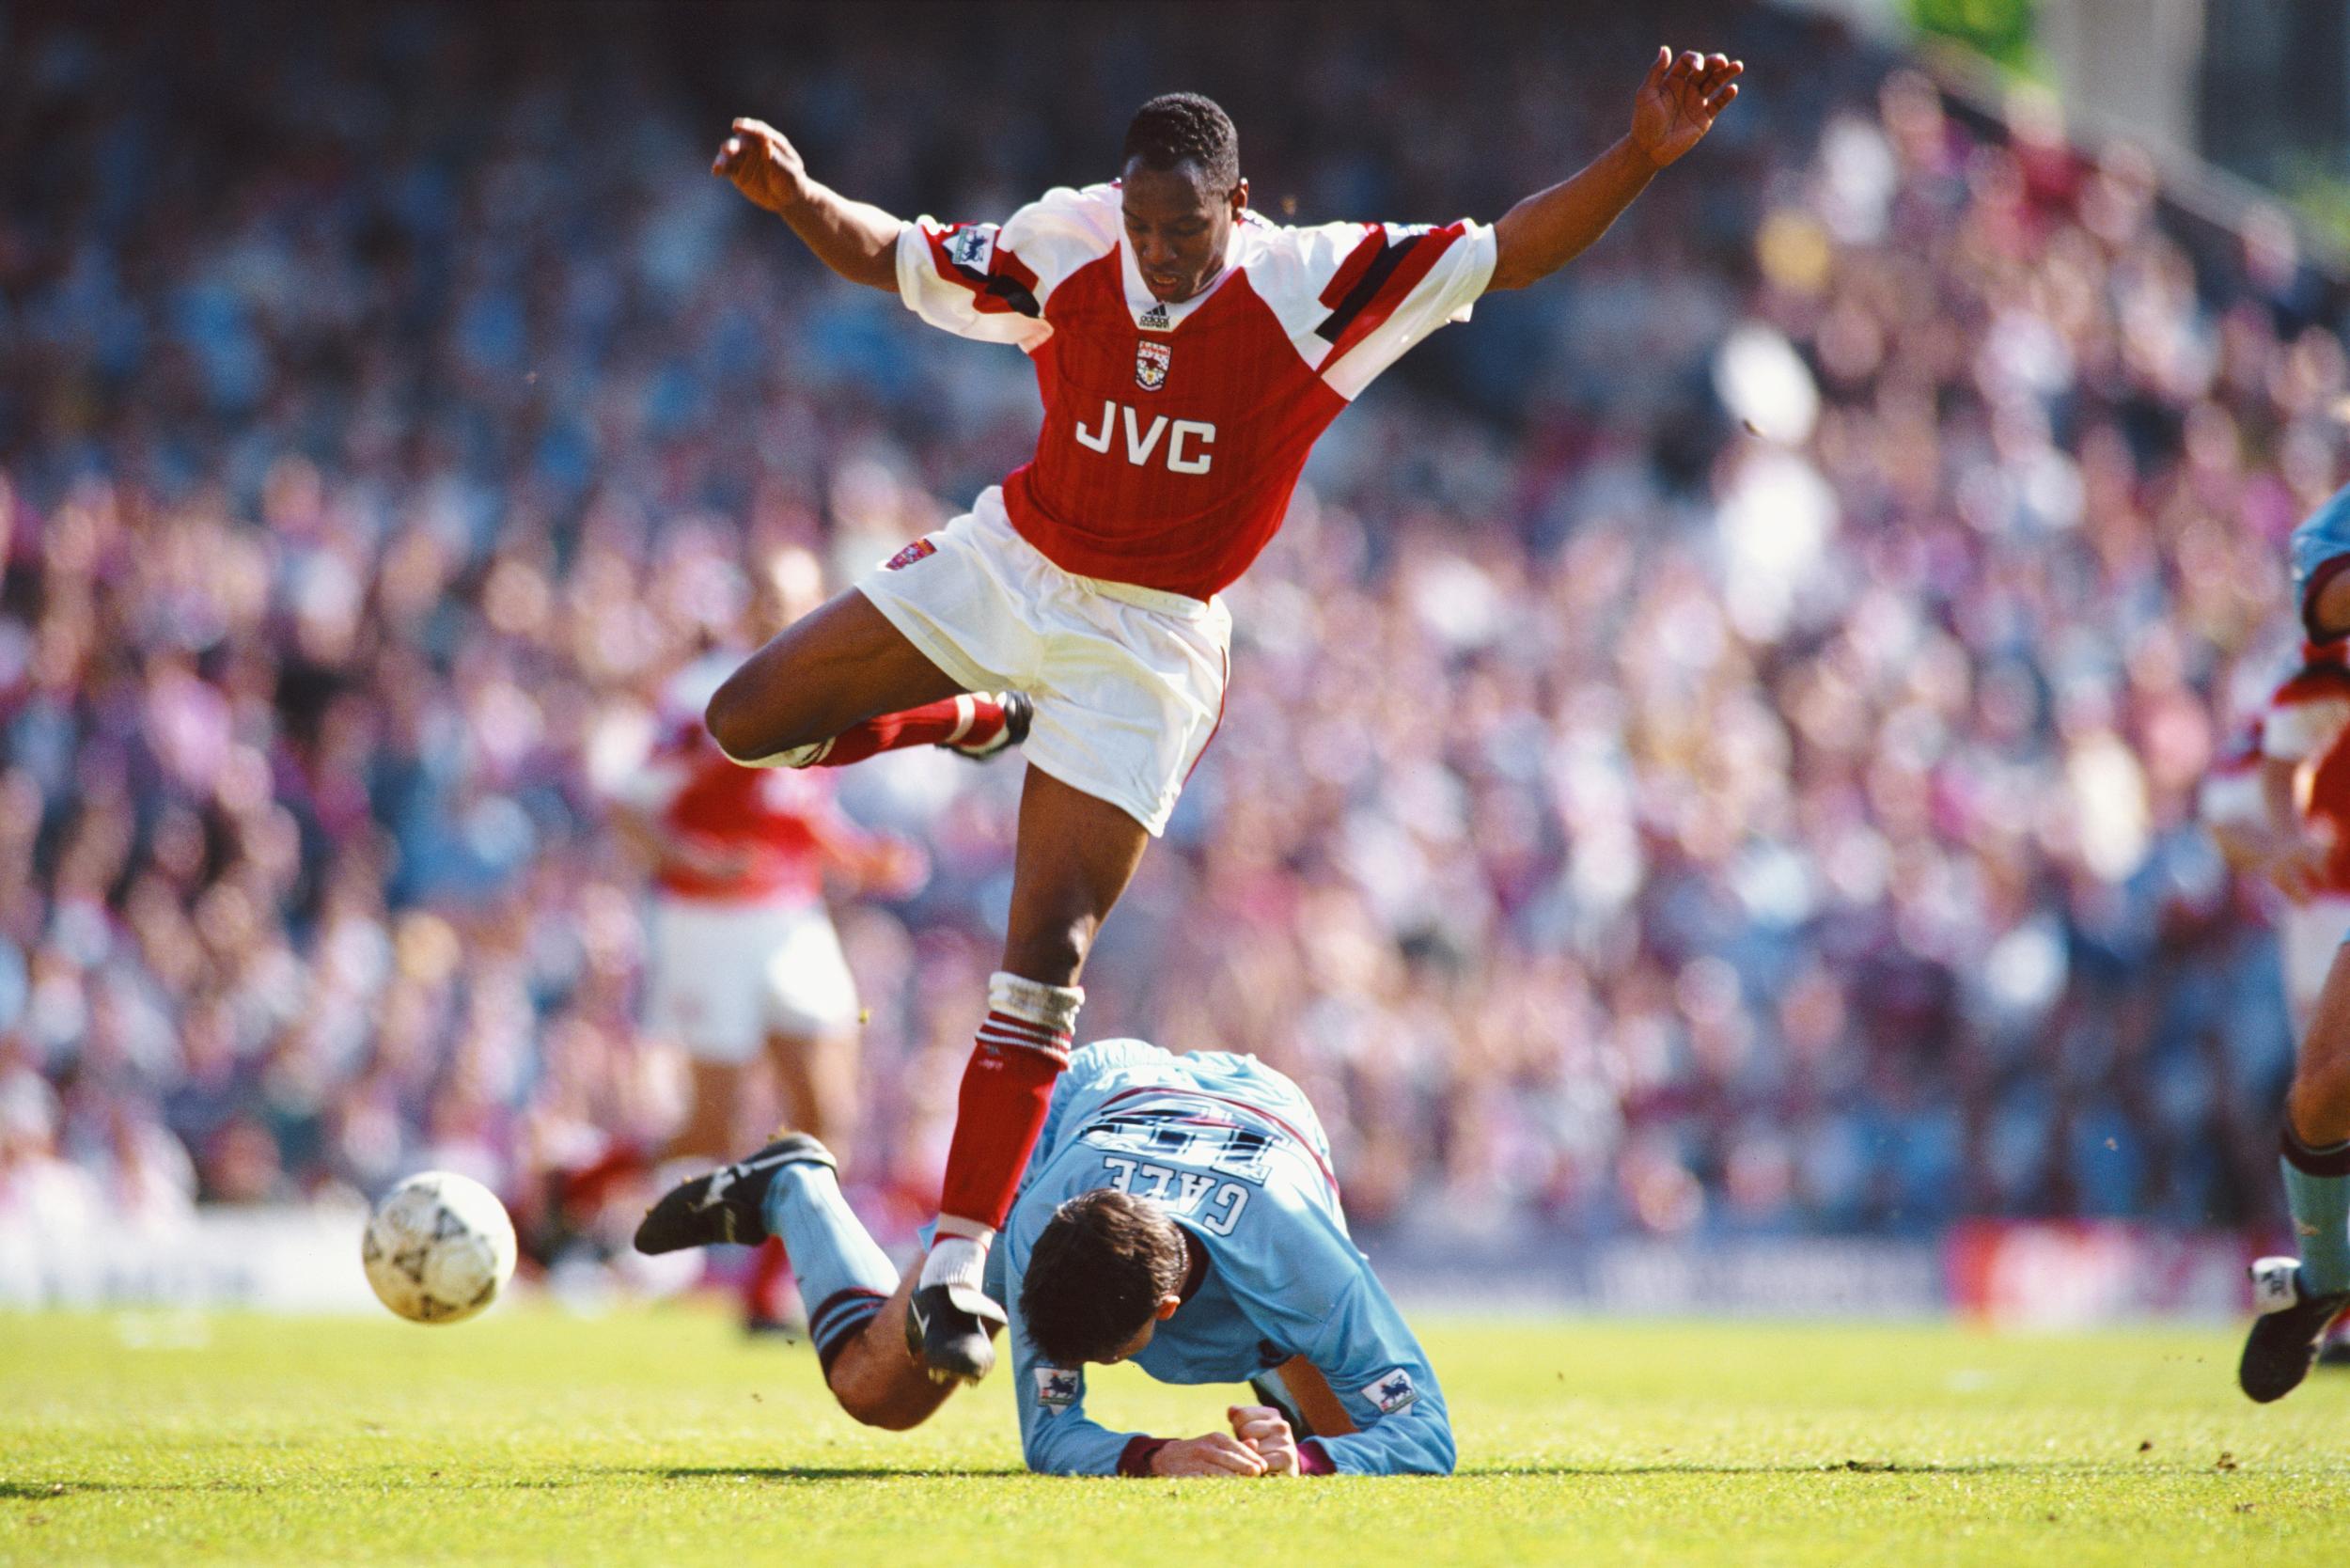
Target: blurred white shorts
[726, 975]
[2309, 934]
[1128, 681]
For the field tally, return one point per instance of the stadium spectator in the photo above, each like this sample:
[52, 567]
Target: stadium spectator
[1751, 697]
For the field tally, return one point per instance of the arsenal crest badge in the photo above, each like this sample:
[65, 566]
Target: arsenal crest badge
[1150, 361]
[919, 549]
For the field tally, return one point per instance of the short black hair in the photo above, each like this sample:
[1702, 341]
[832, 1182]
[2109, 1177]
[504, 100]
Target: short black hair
[1097, 1273]
[1176, 127]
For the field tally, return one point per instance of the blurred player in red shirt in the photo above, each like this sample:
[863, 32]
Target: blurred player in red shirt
[1189, 353]
[742, 964]
[2284, 806]
[2278, 804]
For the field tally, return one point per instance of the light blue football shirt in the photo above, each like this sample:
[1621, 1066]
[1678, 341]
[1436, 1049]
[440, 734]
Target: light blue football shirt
[1235, 1153]
[2322, 537]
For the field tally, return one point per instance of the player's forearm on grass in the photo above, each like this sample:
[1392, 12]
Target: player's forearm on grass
[1552, 227]
[1068, 1444]
[856, 238]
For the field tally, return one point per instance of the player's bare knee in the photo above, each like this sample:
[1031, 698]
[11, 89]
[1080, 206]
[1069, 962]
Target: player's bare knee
[1053, 953]
[726, 718]
[871, 1402]
[745, 722]
[855, 1403]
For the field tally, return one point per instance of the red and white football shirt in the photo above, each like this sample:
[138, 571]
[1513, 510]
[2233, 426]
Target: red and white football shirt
[771, 821]
[1174, 434]
[2307, 721]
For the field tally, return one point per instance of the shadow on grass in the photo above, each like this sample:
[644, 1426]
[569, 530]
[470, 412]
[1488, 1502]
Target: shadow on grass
[42, 1491]
[51, 1490]
[826, 1472]
[1587, 1469]
[1816, 1467]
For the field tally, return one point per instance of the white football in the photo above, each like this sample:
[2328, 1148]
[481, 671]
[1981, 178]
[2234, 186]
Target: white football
[439, 1248]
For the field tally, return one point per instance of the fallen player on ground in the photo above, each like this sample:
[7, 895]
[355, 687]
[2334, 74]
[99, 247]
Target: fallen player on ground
[1178, 1213]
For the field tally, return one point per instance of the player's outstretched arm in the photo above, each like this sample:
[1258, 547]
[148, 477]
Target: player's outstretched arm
[1215, 1453]
[2288, 848]
[1670, 114]
[882, 864]
[856, 238]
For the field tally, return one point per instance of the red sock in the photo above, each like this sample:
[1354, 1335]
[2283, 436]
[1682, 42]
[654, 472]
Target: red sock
[1007, 1084]
[762, 1290]
[584, 1187]
[971, 719]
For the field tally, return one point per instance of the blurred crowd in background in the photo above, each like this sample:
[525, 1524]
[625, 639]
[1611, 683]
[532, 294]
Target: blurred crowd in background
[1714, 750]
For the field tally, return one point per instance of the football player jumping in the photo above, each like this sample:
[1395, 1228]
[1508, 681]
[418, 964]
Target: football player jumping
[1188, 353]
[1178, 1213]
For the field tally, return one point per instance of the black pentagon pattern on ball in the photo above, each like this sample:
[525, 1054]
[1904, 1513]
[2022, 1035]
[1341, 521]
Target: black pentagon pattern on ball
[411, 1262]
[446, 1225]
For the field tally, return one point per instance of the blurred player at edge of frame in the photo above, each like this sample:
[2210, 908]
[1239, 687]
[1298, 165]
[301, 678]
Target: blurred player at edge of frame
[741, 959]
[2283, 808]
[1178, 1213]
[1189, 353]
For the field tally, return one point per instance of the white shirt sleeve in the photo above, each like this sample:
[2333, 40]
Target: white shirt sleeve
[1418, 279]
[990, 281]
[2298, 730]
[651, 785]
[1355, 296]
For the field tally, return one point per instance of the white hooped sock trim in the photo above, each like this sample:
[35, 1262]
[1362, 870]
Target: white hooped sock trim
[1052, 1008]
[793, 757]
[956, 1261]
[967, 714]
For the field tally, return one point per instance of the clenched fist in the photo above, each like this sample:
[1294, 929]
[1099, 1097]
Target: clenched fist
[763, 165]
[1262, 1428]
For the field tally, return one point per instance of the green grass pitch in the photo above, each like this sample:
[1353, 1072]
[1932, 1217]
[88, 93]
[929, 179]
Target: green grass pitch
[663, 1436]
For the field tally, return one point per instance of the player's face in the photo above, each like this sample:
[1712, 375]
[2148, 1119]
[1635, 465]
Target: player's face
[1134, 1347]
[1178, 227]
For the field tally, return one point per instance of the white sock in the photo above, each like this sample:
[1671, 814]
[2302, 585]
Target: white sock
[957, 1261]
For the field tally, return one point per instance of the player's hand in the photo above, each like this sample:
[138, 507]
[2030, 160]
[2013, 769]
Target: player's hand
[763, 165]
[2299, 866]
[1267, 1431]
[1676, 105]
[897, 868]
[1218, 1454]
[700, 854]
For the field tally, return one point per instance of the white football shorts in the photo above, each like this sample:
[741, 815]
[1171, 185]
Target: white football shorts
[1128, 681]
[724, 976]
[2307, 935]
